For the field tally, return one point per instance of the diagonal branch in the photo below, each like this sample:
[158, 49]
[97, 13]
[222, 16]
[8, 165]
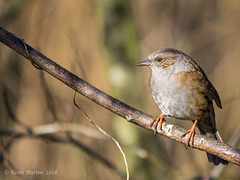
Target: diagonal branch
[132, 115]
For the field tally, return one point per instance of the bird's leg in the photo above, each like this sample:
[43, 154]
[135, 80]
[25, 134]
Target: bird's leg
[157, 120]
[192, 132]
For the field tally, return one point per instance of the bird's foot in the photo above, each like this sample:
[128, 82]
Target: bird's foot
[157, 120]
[191, 133]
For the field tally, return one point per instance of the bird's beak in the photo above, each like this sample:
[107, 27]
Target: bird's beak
[144, 63]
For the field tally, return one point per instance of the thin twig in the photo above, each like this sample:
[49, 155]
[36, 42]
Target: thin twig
[95, 155]
[29, 57]
[49, 97]
[67, 127]
[104, 132]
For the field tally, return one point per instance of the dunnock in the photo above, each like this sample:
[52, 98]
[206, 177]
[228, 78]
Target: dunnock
[182, 90]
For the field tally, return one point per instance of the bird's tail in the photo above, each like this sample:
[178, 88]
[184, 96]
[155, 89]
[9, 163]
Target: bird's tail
[209, 129]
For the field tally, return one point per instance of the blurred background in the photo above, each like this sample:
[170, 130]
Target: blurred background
[101, 41]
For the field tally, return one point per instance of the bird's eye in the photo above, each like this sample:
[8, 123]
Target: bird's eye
[159, 59]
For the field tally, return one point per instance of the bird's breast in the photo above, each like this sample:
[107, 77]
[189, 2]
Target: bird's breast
[179, 95]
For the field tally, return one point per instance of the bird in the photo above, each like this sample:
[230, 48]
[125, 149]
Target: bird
[181, 90]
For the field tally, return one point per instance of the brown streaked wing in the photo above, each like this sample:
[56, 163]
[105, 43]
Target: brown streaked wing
[212, 91]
